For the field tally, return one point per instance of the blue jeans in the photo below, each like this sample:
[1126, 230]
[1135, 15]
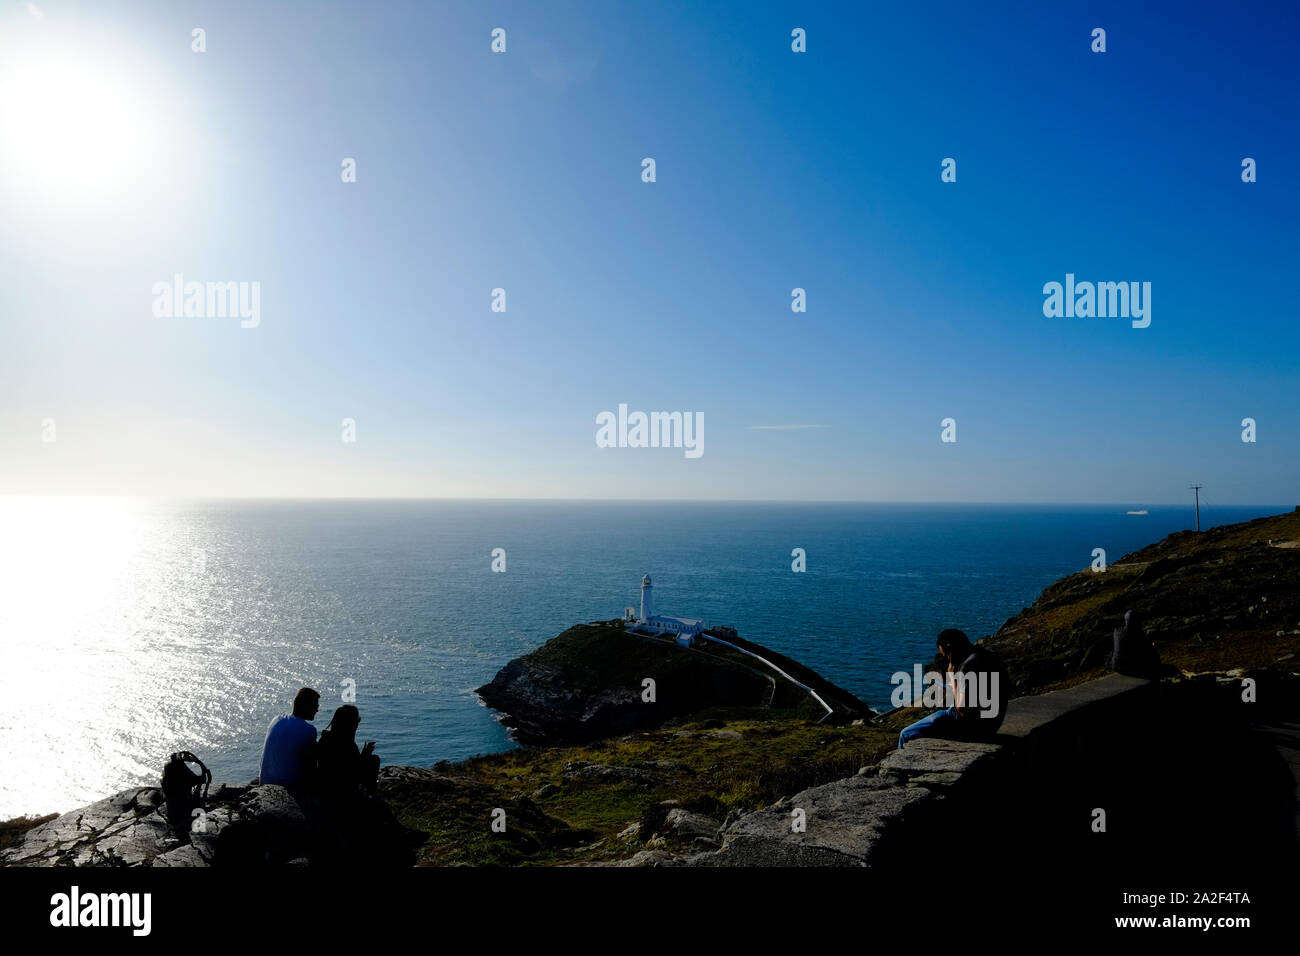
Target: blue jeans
[932, 725]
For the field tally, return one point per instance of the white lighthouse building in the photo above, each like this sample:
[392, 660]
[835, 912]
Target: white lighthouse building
[685, 629]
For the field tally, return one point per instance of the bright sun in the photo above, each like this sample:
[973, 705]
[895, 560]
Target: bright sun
[75, 128]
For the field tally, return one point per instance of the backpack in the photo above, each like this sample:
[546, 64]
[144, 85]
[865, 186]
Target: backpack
[185, 791]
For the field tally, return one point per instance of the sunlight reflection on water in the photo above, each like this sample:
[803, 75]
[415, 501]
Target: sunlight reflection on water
[131, 629]
[113, 654]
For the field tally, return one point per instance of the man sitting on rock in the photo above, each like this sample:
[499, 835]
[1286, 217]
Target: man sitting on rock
[979, 687]
[288, 756]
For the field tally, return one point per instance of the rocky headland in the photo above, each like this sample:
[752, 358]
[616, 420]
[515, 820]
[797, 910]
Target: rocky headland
[590, 682]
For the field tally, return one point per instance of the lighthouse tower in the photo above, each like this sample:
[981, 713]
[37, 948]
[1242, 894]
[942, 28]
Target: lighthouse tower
[647, 598]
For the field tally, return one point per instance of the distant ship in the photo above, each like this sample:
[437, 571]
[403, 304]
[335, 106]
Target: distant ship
[1142, 512]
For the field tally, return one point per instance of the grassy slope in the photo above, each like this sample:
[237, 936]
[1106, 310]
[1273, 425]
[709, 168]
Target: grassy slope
[1214, 601]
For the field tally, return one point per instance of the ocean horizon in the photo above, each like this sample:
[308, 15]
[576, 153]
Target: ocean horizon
[138, 627]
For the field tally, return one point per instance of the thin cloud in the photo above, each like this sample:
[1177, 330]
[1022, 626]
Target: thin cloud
[34, 10]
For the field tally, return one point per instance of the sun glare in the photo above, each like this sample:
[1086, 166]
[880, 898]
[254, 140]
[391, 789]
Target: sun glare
[76, 125]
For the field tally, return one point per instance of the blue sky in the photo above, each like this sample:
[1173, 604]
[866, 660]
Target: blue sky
[775, 170]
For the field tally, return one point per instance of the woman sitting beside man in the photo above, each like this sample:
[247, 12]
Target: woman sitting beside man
[344, 773]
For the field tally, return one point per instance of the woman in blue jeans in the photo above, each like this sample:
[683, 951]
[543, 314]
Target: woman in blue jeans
[968, 720]
[932, 725]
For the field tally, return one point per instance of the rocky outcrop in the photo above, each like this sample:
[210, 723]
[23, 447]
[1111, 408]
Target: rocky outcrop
[239, 826]
[692, 828]
[851, 822]
[127, 829]
[589, 682]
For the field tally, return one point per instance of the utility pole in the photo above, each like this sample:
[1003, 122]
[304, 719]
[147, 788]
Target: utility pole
[1197, 489]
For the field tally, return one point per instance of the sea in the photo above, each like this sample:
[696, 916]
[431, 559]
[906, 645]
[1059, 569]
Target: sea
[133, 628]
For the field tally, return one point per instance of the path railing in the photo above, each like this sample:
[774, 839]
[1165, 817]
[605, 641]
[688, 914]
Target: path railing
[815, 695]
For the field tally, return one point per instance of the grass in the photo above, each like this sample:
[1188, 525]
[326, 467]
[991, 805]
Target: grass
[712, 766]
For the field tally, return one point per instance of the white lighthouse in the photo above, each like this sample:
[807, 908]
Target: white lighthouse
[647, 598]
[683, 629]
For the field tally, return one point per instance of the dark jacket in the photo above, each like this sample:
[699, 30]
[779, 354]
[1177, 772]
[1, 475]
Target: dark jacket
[987, 676]
[341, 771]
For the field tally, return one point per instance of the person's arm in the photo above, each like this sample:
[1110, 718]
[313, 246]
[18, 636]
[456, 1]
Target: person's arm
[958, 692]
[368, 767]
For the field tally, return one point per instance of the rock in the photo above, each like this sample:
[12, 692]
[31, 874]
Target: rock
[630, 832]
[846, 821]
[544, 791]
[224, 792]
[274, 806]
[930, 755]
[580, 770]
[130, 833]
[650, 858]
[945, 779]
[181, 856]
[687, 827]
[240, 826]
[134, 842]
[673, 766]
